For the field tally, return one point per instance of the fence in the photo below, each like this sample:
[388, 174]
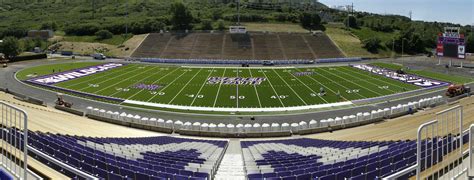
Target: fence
[14, 140]
[222, 61]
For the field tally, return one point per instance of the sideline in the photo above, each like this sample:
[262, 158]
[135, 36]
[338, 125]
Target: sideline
[222, 109]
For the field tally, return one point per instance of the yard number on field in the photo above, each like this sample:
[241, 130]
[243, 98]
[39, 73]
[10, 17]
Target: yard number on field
[235, 97]
[123, 89]
[280, 96]
[199, 96]
[350, 91]
[159, 93]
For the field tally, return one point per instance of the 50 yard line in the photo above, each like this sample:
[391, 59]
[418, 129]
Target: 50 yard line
[218, 89]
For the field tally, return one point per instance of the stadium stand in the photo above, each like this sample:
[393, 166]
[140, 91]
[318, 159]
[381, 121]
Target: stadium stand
[325, 159]
[223, 46]
[137, 158]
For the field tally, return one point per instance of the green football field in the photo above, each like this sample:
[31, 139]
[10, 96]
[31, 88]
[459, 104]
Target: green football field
[221, 87]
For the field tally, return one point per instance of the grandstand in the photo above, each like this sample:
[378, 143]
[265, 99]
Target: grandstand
[261, 46]
[119, 153]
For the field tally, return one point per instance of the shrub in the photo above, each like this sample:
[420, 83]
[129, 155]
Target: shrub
[103, 34]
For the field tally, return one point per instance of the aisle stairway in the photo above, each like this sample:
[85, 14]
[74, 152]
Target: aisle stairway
[231, 167]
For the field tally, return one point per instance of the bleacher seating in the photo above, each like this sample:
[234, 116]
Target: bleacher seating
[136, 158]
[326, 160]
[223, 46]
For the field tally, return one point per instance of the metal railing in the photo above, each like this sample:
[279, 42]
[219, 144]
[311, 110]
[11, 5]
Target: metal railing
[14, 140]
[438, 138]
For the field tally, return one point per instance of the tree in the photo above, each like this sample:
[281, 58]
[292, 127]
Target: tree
[10, 47]
[372, 44]
[103, 34]
[206, 24]
[351, 22]
[220, 25]
[410, 40]
[470, 43]
[49, 26]
[311, 21]
[181, 17]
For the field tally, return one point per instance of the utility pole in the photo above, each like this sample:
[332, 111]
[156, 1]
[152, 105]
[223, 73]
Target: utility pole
[410, 14]
[126, 18]
[238, 12]
[93, 9]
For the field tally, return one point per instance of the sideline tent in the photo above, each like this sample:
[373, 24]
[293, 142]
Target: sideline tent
[213, 127]
[196, 126]
[204, 127]
[313, 123]
[266, 127]
[257, 127]
[276, 127]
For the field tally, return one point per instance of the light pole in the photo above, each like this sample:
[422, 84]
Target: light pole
[403, 48]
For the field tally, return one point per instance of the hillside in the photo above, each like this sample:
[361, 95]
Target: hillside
[141, 16]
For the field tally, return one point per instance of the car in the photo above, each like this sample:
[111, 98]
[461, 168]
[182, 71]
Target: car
[99, 56]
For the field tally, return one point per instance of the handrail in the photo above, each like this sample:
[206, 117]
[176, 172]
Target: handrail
[449, 109]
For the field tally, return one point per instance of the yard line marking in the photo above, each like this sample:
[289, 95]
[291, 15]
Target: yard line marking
[154, 82]
[103, 77]
[126, 79]
[185, 86]
[369, 82]
[271, 85]
[237, 90]
[142, 80]
[104, 82]
[308, 87]
[256, 92]
[361, 72]
[169, 84]
[204, 83]
[352, 82]
[290, 87]
[328, 87]
[219, 89]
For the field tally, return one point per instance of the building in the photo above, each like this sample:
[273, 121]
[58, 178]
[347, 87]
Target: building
[42, 34]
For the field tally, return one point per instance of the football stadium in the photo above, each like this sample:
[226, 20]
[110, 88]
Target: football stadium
[234, 90]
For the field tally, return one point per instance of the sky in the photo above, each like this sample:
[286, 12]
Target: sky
[455, 11]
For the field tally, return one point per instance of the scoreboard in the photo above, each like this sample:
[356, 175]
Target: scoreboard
[451, 44]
